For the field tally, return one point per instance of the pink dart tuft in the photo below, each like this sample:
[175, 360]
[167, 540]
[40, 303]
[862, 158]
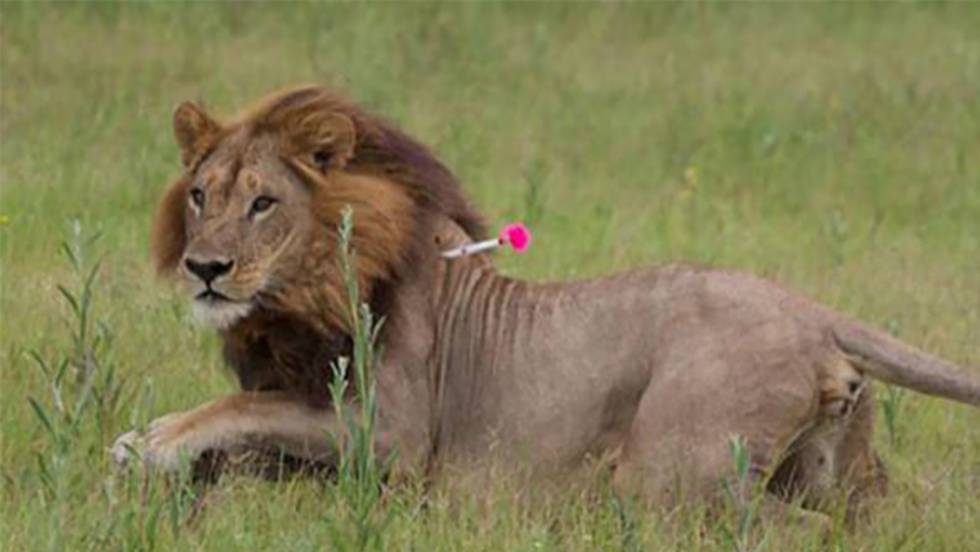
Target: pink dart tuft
[517, 235]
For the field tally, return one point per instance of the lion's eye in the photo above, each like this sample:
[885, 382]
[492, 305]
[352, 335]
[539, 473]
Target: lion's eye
[321, 159]
[261, 204]
[197, 197]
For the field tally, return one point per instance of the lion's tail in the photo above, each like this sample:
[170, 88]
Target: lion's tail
[892, 361]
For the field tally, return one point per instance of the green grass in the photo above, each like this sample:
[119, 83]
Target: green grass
[831, 147]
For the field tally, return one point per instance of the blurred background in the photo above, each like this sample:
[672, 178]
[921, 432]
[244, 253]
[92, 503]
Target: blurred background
[832, 147]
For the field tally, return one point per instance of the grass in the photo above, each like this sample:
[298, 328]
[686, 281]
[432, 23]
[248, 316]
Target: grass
[829, 146]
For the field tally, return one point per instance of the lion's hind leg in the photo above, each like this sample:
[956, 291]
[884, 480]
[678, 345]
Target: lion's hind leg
[707, 474]
[833, 462]
[679, 446]
[691, 426]
[859, 472]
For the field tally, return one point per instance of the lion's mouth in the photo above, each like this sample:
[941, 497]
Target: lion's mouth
[211, 296]
[218, 310]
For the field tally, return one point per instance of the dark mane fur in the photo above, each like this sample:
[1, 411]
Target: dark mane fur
[381, 149]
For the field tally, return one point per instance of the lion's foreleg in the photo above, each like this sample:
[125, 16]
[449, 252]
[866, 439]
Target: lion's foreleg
[264, 421]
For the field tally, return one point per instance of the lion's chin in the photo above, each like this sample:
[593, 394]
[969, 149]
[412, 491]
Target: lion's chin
[220, 314]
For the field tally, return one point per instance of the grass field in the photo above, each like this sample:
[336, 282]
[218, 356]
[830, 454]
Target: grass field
[831, 147]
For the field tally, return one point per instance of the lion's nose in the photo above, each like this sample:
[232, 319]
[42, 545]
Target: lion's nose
[208, 270]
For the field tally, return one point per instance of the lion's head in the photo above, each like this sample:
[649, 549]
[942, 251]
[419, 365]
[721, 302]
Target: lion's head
[252, 223]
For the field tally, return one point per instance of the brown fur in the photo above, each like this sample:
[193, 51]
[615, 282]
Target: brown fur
[656, 368]
[393, 184]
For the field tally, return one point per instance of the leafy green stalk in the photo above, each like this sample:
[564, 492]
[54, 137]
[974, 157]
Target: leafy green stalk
[745, 498]
[360, 473]
[79, 379]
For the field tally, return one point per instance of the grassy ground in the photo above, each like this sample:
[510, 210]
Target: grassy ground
[831, 147]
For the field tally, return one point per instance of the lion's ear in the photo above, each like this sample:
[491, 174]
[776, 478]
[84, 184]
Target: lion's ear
[323, 140]
[194, 130]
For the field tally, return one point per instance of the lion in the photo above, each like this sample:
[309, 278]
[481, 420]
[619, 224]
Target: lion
[657, 368]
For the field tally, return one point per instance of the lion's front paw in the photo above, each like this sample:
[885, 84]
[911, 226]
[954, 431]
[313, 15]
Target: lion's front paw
[126, 446]
[163, 446]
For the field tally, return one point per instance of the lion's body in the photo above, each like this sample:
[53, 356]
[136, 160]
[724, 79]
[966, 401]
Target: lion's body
[657, 369]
